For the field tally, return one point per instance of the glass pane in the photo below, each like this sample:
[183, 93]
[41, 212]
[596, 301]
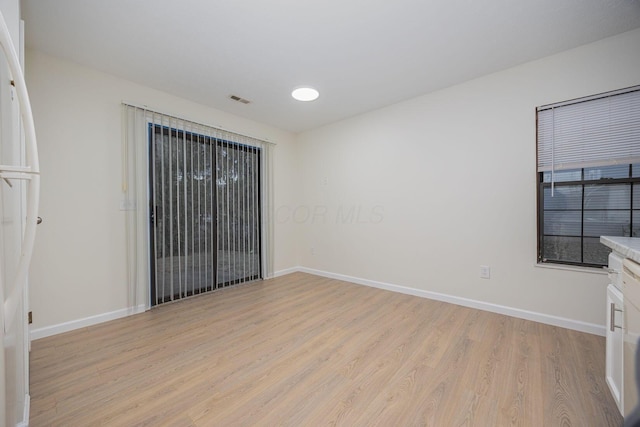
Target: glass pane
[595, 252]
[606, 172]
[606, 223]
[607, 196]
[636, 197]
[564, 197]
[636, 224]
[635, 170]
[561, 248]
[563, 223]
[563, 176]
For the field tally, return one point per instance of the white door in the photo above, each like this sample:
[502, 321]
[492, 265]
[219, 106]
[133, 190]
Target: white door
[11, 195]
[19, 191]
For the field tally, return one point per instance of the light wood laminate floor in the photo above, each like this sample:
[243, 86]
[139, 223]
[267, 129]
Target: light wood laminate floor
[302, 350]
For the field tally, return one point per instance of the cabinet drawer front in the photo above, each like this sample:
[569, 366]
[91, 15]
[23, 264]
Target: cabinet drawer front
[631, 282]
[615, 270]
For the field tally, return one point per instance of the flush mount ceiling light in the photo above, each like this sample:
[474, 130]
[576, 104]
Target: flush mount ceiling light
[305, 94]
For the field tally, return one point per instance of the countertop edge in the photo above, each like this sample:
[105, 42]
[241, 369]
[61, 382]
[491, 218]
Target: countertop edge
[628, 247]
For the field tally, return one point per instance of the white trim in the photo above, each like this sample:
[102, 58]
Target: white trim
[60, 328]
[548, 319]
[567, 267]
[285, 272]
[25, 412]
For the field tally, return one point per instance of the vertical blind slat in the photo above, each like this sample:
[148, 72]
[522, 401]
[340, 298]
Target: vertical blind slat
[154, 206]
[229, 203]
[214, 202]
[170, 185]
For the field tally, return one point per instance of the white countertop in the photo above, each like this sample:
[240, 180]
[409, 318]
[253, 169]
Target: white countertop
[629, 247]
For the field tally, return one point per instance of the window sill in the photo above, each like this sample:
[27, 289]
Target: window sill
[592, 270]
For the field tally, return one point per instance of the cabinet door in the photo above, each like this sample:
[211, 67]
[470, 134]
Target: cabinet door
[614, 361]
[631, 289]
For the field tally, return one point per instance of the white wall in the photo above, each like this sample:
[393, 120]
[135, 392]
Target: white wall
[78, 267]
[447, 182]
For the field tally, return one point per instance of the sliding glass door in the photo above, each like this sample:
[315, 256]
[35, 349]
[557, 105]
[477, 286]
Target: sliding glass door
[205, 213]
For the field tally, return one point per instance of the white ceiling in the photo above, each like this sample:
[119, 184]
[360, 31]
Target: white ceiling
[360, 54]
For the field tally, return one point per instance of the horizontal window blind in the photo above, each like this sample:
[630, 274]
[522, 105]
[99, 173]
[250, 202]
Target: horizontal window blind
[588, 132]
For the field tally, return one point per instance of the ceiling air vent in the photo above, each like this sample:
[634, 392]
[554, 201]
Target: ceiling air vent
[237, 98]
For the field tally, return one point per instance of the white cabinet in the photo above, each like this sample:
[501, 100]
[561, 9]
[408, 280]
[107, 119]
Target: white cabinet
[631, 292]
[615, 343]
[624, 287]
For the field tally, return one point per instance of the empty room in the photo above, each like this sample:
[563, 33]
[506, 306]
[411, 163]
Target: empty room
[304, 213]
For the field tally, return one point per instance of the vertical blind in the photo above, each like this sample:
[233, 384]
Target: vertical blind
[199, 201]
[205, 220]
[599, 130]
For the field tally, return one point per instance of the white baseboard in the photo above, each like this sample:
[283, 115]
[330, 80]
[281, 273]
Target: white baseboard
[548, 319]
[25, 412]
[48, 331]
[285, 272]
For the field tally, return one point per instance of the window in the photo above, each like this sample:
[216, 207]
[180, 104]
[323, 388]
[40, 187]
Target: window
[588, 176]
[587, 203]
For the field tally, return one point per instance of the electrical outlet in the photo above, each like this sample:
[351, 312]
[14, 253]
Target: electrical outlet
[485, 272]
